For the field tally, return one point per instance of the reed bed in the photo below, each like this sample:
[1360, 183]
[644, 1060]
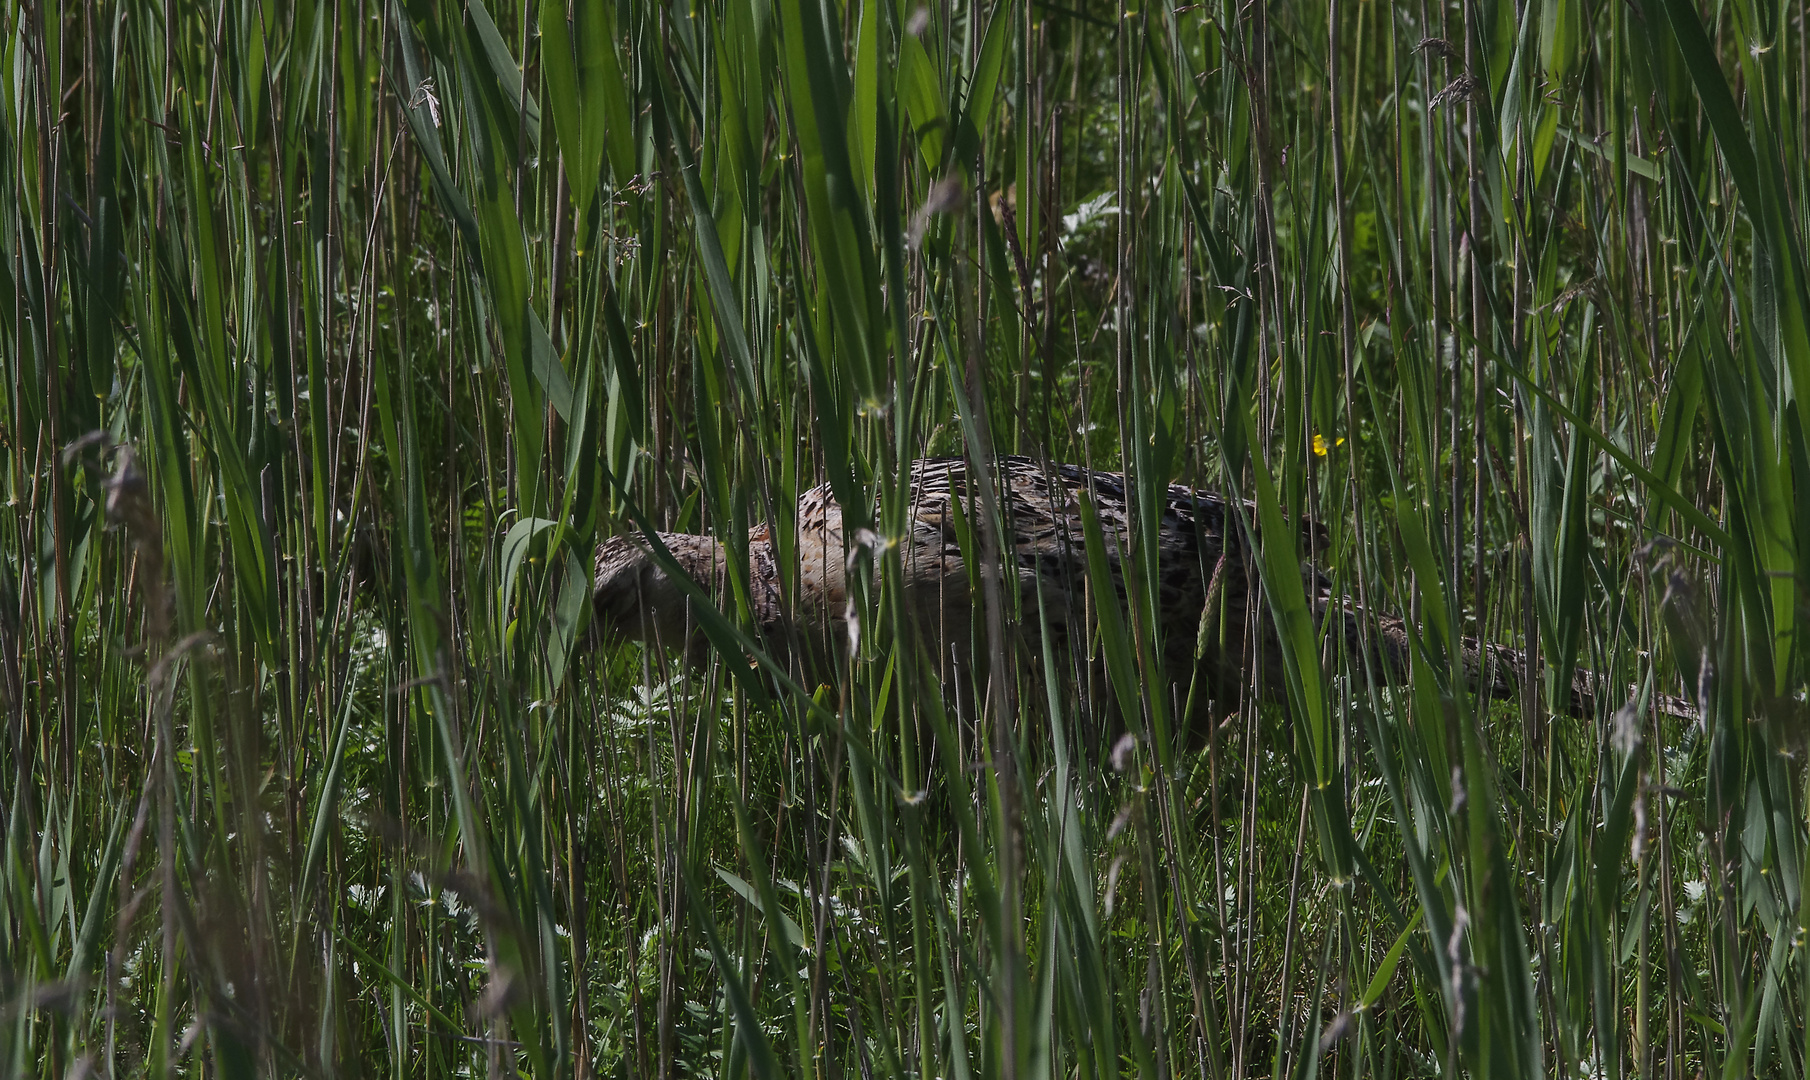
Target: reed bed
[340, 332]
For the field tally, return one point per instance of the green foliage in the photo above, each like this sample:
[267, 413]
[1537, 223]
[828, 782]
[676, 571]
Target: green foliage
[341, 333]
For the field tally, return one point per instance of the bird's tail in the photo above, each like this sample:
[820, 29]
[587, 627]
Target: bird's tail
[1497, 671]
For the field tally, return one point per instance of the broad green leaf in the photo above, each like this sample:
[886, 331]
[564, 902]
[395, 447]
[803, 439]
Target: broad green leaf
[865, 115]
[506, 71]
[1385, 971]
[559, 70]
[975, 116]
[922, 94]
[517, 544]
[1279, 564]
[1115, 636]
[1564, 34]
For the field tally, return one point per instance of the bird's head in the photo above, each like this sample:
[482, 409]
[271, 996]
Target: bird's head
[635, 597]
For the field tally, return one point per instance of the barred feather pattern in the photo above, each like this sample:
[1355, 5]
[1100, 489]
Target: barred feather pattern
[1202, 572]
[1042, 544]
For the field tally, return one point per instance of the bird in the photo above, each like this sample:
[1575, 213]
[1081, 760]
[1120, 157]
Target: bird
[1204, 576]
[1198, 549]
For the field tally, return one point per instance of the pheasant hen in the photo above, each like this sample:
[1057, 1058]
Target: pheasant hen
[1202, 572]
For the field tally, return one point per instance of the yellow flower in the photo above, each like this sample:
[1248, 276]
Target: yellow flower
[1321, 446]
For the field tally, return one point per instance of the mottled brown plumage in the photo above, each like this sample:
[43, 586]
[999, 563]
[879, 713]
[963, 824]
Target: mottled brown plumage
[1203, 581]
[1043, 546]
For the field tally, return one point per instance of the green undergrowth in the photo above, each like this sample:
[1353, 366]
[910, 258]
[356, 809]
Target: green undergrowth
[336, 336]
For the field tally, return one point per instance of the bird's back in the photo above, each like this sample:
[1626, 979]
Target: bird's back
[1043, 547]
[1201, 581]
